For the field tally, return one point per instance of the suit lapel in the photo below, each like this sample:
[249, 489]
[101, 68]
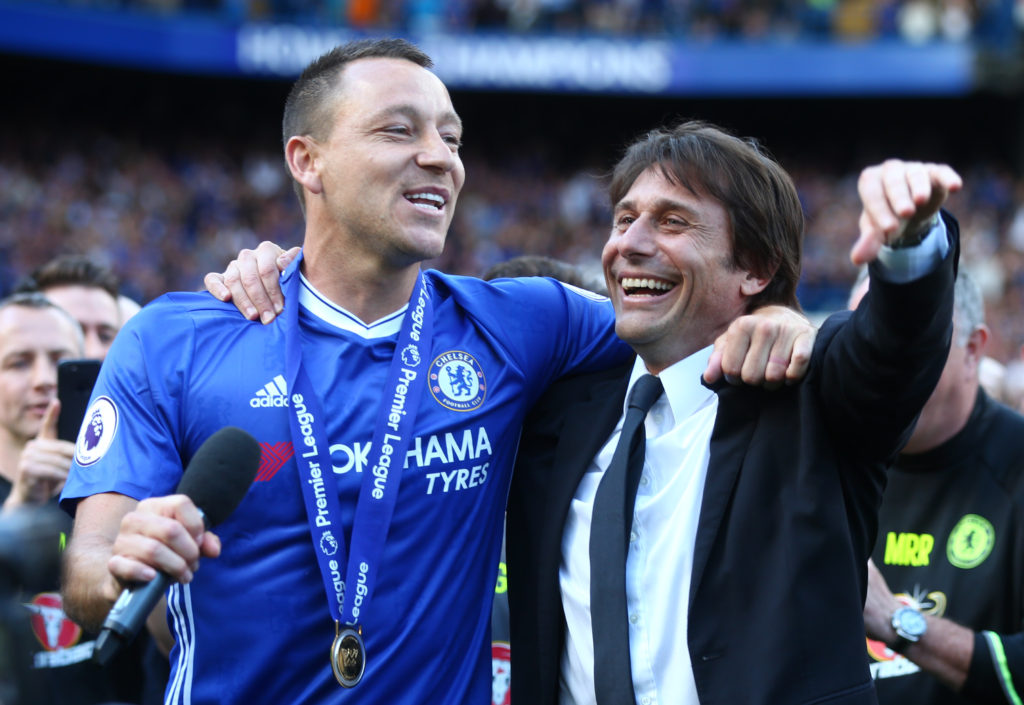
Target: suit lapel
[587, 427]
[729, 440]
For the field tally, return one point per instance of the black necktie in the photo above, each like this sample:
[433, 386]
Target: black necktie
[609, 541]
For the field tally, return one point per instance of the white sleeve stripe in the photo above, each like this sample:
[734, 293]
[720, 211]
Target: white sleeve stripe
[179, 601]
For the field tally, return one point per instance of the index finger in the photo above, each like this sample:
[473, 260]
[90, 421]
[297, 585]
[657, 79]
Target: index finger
[48, 427]
[271, 260]
[875, 206]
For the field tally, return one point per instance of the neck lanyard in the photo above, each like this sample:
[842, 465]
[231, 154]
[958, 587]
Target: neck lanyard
[378, 491]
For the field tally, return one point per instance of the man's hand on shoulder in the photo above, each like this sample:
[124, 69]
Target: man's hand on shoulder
[899, 201]
[769, 348]
[252, 281]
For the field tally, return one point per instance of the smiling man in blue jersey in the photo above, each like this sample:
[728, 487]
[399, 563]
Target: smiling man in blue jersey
[372, 361]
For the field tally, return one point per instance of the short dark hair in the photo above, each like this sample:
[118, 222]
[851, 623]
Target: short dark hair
[307, 108]
[71, 270]
[759, 197]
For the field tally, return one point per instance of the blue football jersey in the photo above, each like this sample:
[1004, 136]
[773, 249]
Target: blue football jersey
[254, 626]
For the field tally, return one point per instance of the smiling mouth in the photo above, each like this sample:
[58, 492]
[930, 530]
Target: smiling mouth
[633, 286]
[427, 201]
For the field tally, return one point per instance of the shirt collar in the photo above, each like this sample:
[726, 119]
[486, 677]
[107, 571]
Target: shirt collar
[329, 312]
[683, 389]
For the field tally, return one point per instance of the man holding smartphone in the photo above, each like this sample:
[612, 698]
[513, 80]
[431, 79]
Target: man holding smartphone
[35, 335]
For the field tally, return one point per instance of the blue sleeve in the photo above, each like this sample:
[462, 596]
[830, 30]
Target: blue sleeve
[133, 415]
[557, 329]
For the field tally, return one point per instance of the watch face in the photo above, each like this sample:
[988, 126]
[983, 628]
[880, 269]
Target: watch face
[909, 623]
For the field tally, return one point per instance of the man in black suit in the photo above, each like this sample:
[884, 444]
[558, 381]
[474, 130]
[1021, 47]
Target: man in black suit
[756, 510]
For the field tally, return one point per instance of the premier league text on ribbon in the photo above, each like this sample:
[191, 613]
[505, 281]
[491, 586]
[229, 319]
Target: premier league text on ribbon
[382, 465]
[378, 490]
[387, 448]
[316, 479]
[417, 315]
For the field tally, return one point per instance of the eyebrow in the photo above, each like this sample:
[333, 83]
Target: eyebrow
[34, 352]
[413, 113]
[661, 204]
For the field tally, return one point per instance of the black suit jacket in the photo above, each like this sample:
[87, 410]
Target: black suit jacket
[789, 512]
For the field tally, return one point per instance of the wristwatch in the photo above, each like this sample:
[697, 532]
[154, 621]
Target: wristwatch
[910, 625]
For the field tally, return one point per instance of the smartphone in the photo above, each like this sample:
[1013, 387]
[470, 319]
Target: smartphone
[75, 380]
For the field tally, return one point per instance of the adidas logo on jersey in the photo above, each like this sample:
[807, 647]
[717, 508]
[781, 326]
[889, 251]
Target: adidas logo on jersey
[273, 394]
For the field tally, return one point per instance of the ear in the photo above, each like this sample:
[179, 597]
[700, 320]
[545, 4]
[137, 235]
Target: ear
[976, 343]
[301, 153]
[752, 285]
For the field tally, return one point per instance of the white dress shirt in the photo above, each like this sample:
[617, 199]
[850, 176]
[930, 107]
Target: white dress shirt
[660, 558]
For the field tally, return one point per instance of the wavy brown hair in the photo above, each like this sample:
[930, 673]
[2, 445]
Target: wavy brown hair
[757, 194]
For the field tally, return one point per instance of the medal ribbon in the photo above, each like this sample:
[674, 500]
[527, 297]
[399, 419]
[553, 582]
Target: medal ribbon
[392, 434]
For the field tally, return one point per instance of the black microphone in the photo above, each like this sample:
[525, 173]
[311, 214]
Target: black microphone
[216, 480]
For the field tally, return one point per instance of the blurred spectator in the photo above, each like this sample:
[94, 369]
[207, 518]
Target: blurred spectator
[162, 216]
[34, 335]
[915, 21]
[127, 307]
[992, 377]
[542, 266]
[950, 539]
[86, 290]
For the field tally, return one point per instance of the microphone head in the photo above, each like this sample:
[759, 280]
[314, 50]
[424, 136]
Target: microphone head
[220, 473]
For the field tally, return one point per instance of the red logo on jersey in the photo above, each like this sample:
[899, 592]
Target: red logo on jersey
[53, 630]
[501, 673]
[878, 651]
[272, 457]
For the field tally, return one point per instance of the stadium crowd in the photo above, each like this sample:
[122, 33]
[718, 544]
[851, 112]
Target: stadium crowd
[161, 211]
[162, 219]
[909, 20]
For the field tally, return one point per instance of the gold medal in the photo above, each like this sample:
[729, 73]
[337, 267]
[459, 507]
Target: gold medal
[348, 655]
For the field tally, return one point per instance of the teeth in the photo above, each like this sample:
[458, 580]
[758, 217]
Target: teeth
[634, 283]
[433, 198]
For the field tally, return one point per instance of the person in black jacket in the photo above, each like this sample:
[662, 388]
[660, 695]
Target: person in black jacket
[951, 534]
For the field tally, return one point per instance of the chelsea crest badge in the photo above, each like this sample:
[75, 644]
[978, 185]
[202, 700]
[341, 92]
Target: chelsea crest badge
[457, 381]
